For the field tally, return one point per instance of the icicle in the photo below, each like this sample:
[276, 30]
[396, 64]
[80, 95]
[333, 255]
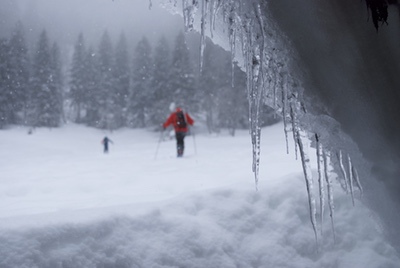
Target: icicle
[351, 179]
[256, 155]
[189, 11]
[301, 138]
[247, 44]
[257, 47]
[252, 62]
[269, 73]
[294, 124]
[294, 127]
[227, 5]
[305, 160]
[262, 51]
[232, 41]
[251, 65]
[203, 31]
[339, 155]
[284, 111]
[214, 9]
[277, 82]
[320, 165]
[355, 175]
[275, 93]
[254, 106]
[247, 47]
[329, 185]
[185, 5]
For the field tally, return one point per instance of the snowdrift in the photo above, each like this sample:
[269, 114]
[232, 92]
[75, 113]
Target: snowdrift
[67, 204]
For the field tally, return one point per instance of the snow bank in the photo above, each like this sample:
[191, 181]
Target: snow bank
[66, 204]
[218, 228]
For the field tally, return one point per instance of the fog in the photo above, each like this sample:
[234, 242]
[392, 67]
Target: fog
[348, 71]
[64, 20]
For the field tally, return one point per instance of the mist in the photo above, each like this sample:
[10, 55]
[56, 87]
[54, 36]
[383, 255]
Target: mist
[64, 20]
[347, 72]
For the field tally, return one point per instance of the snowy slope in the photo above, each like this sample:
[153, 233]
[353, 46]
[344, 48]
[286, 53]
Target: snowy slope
[63, 203]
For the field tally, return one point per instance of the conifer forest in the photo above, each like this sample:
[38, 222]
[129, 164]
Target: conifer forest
[115, 84]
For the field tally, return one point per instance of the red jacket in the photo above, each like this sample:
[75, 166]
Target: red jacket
[173, 118]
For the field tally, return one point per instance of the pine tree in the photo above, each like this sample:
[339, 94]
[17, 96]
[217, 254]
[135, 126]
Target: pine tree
[141, 92]
[77, 83]
[43, 104]
[214, 76]
[92, 100]
[225, 104]
[18, 72]
[107, 97]
[5, 106]
[182, 75]
[162, 96]
[233, 105]
[56, 83]
[122, 81]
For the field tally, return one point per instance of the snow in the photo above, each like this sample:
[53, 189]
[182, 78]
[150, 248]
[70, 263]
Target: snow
[292, 55]
[64, 203]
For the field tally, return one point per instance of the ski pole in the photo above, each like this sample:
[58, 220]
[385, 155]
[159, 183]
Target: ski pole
[158, 144]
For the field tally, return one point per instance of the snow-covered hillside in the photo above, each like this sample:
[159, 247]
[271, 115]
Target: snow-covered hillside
[66, 204]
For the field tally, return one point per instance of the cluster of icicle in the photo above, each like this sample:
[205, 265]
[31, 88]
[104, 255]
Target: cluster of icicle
[268, 81]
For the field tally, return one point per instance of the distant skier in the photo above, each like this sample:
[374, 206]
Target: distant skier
[105, 142]
[179, 120]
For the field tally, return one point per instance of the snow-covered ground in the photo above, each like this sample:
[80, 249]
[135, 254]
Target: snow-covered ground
[64, 203]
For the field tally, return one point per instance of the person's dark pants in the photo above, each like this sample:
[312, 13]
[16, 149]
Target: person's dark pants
[180, 145]
[106, 147]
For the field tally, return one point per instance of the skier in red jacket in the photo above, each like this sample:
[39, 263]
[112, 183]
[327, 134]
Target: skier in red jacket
[180, 121]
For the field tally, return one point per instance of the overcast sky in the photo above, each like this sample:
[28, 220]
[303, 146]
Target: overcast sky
[64, 19]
